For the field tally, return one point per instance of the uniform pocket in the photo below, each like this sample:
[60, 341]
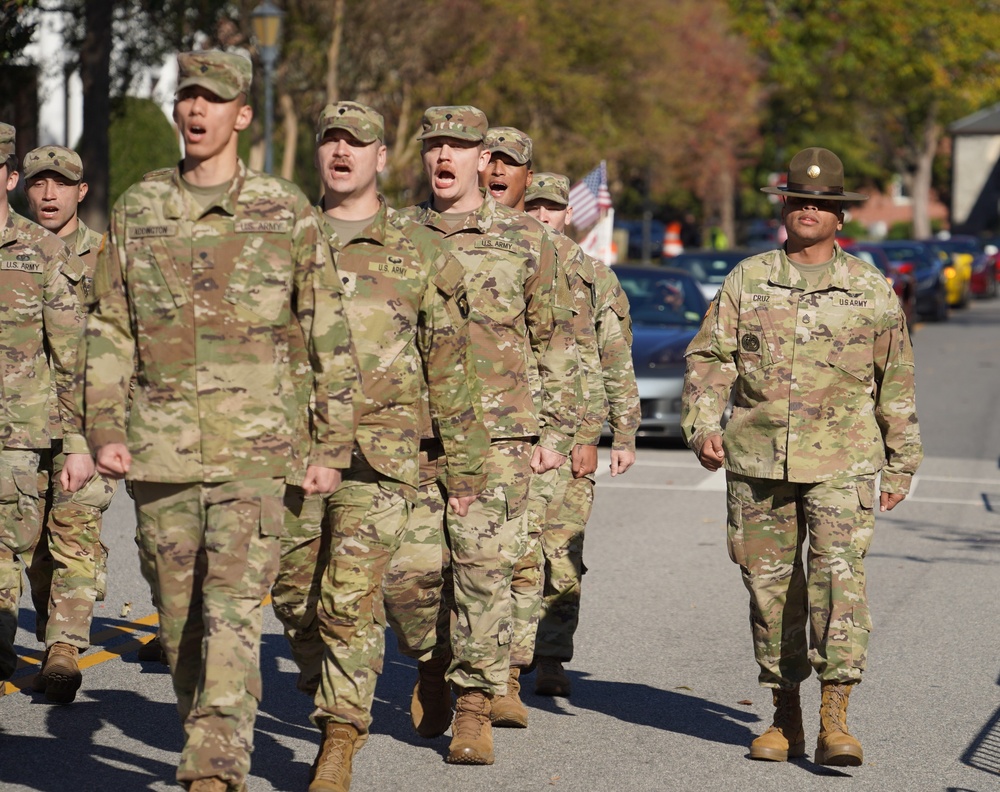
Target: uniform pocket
[734, 530]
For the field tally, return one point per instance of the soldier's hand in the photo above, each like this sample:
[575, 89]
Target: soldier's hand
[584, 460]
[76, 471]
[711, 455]
[113, 460]
[543, 459]
[460, 506]
[887, 500]
[621, 461]
[320, 480]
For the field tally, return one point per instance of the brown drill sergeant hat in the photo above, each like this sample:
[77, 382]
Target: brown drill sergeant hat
[59, 159]
[815, 173]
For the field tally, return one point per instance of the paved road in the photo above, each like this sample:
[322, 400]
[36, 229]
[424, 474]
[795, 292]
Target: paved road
[665, 693]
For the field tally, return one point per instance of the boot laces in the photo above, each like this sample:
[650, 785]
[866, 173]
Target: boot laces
[337, 750]
[834, 710]
[473, 707]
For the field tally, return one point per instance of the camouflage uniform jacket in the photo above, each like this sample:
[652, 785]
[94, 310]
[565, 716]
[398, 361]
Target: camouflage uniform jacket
[510, 271]
[217, 313]
[408, 310]
[822, 378]
[576, 270]
[87, 244]
[614, 341]
[40, 330]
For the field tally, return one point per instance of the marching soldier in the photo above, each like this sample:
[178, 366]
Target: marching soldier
[812, 344]
[67, 568]
[216, 286]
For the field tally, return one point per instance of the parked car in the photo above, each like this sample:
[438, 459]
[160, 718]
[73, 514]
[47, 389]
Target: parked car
[928, 269]
[985, 271]
[898, 273]
[667, 307]
[709, 267]
[958, 252]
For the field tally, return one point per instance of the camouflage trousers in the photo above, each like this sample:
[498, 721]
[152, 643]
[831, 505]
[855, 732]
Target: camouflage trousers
[562, 547]
[210, 553]
[769, 521]
[484, 546]
[67, 565]
[328, 594]
[526, 585]
[23, 475]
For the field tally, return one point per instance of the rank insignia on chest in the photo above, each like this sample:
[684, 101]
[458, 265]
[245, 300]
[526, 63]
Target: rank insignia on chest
[750, 343]
[462, 301]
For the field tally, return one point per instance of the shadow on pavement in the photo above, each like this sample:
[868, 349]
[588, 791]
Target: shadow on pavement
[68, 758]
[983, 752]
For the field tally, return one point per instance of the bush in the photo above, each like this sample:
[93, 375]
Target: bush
[141, 139]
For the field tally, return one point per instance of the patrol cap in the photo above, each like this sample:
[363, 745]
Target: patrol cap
[815, 173]
[548, 187]
[225, 74]
[361, 121]
[6, 141]
[510, 141]
[463, 122]
[60, 159]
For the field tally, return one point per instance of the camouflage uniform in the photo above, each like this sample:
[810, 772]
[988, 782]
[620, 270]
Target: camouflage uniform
[822, 382]
[67, 567]
[39, 332]
[576, 294]
[215, 308]
[567, 515]
[408, 310]
[510, 270]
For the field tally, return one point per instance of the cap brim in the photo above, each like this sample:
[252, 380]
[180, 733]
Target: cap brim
[546, 196]
[846, 196]
[224, 92]
[354, 133]
[450, 133]
[517, 156]
[55, 169]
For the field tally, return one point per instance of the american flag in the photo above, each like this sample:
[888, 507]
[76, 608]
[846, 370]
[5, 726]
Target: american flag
[590, 197]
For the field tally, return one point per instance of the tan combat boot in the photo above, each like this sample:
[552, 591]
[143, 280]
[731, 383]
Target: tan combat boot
[61, 675]
[836, 746]
[332, 768]
[550, 678]
[430, 704]
[509, 710]
[785, 737]
[471, 733]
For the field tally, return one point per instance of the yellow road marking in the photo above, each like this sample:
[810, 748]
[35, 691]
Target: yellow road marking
[33, 659]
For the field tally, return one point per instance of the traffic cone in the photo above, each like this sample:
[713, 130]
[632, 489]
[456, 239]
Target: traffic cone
[672, 240]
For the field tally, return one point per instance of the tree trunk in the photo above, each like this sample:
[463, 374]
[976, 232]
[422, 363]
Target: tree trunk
[727, 205]
[922, 178]
[95, 71]
[333, 53]
[290, 125]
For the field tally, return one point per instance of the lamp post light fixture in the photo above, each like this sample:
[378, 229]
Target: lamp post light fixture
[266, 21]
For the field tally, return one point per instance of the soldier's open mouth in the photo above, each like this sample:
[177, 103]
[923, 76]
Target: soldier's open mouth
[497, 189]
[444, 178]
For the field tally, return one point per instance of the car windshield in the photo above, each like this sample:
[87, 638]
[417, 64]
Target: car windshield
[867, 255]
[661, 298]
[904, 252]
[707, 268]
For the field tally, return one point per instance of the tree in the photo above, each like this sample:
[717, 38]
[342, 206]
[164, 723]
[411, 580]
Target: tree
[141, 139]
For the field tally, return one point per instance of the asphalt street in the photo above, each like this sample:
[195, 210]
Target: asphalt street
[665, 694]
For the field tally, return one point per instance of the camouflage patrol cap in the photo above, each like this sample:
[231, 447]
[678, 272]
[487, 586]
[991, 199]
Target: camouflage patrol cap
[510, 141]
[60, 159]
[463, 122]
[361, 121]
[225, 74]
[548, 187]
[6, 141]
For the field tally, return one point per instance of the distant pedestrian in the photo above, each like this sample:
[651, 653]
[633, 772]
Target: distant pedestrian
[813, 346]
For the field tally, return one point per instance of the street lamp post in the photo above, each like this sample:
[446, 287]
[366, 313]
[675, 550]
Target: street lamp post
[266, 21]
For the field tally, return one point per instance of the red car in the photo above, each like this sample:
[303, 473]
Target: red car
[898, 273]
[985, 272]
